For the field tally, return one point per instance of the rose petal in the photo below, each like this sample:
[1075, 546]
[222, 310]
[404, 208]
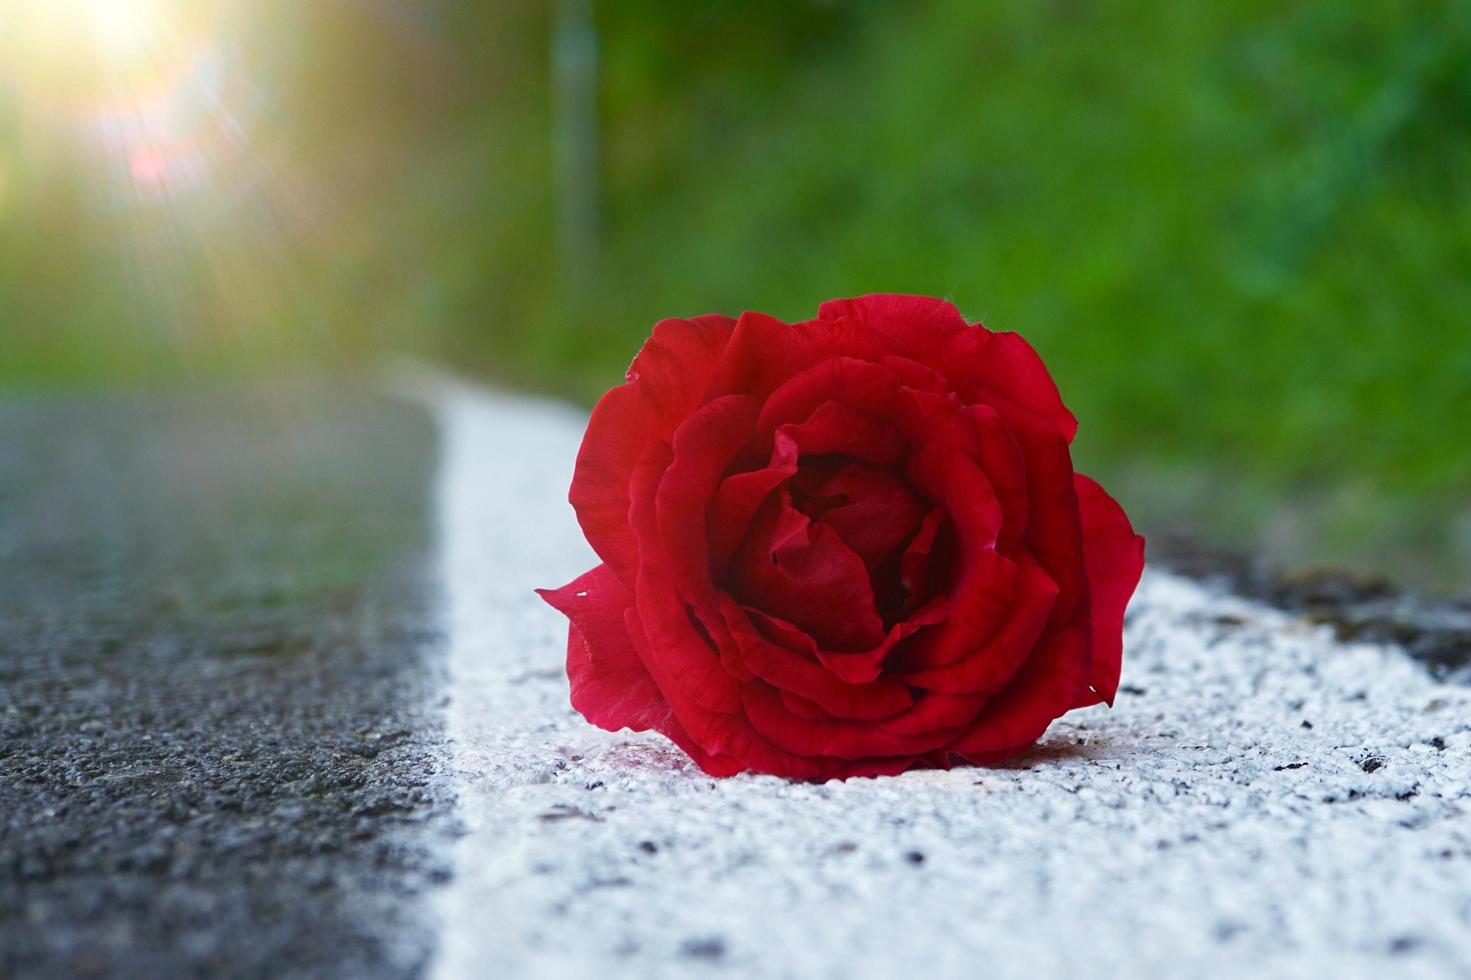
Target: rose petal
[864, 666]
[864, 386]
[991, 663]
[915, 321]
[764, 352]
[984, 594]
[704, 445]
[783, 667]
[937, 420]
[801, 571]
[879, 517]
[835, 428]
[944, 715]
[1013, 367]
[983, 591]
[1048, 684]
[802, 707]
[712, 764]
[956, 483]
[934, 332]
[920, 377]
[665, 382]
[679, 653]
[1054, 531]
[1113, 557]
[866, 768]
[915, 564]
[721, 741]
[811, 737]
[610, 686]
[739, 497]
[1005, 466]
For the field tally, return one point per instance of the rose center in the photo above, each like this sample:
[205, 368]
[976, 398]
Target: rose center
[874, 512]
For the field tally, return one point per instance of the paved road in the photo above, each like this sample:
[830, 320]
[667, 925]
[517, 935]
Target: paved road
[275, 699]
[220, 686]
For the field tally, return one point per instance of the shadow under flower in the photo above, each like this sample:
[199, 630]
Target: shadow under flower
[1064, 748]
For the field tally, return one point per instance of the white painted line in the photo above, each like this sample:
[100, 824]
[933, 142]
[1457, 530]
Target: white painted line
[1199, 829]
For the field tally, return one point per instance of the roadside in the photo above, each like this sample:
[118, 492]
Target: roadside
[1433, 629]
[220, 685]
[1262, 799]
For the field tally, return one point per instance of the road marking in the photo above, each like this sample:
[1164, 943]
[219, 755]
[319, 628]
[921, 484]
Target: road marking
[1261, 799]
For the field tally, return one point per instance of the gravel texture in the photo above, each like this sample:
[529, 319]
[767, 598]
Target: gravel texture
[1434, 629]
[219, 685]
[1262, 800]
[276, 699]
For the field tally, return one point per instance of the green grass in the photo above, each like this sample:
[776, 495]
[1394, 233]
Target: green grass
[1240, 234]
[1228, 234]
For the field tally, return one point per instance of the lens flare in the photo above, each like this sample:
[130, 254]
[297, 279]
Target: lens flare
[122, 30]
[141, 92]
[96, 36]
[144, 114]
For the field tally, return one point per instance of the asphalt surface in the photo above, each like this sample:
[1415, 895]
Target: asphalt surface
[220, 688]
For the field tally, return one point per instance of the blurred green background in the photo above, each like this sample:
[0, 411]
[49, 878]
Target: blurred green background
[1239, 233]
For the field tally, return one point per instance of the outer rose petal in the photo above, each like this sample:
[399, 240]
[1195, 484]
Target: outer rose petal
[807, 737]
[935, 333]
[610, 685]
[1005, 467]
[1014, 368]
[764, 352]
[1047, 685]
[874, 390]
[714, 763]
[665, 384]
[1054, 533]
[697, 687]
[676, 362]
[916, 321]
[1113, 559]
[682, 662]
[704, 444]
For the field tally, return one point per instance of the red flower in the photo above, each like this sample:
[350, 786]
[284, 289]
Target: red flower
[844, 547]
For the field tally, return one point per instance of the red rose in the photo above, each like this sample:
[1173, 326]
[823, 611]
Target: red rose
[844, 547]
